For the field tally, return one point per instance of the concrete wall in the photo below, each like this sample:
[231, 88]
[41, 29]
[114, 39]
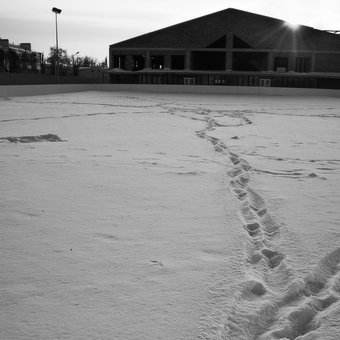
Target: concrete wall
[32, 90]
[252, 90]
[36, 90]
[41, 79]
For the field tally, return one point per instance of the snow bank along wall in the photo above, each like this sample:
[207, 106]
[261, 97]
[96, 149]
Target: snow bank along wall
[31, 90]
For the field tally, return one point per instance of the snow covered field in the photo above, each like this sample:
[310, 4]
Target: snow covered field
[169, 216]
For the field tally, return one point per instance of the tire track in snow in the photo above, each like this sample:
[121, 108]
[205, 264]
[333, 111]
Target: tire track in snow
[272, 303]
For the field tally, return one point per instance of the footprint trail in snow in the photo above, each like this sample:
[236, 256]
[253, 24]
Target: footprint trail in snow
[273, 303]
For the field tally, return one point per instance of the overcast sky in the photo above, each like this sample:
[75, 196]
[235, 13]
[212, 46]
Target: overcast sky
[91, 26]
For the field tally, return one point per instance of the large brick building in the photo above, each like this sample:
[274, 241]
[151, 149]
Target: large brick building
[230, 47]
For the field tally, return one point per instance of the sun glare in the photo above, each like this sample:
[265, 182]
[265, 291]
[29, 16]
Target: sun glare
[292, 25]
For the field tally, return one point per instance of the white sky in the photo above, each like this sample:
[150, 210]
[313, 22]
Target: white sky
[91, 26]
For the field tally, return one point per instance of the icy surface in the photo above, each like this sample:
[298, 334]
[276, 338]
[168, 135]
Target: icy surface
[162, 216]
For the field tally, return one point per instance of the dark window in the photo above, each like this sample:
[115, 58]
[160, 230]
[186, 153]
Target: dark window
[208, 60]
[281, 64]
[138, 62]
[302, 64]
[119, 61]
[157, 62]
[250, 61]
[177, 62]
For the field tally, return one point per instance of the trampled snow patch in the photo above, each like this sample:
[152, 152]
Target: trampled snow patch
[32, 139]
[169, 216]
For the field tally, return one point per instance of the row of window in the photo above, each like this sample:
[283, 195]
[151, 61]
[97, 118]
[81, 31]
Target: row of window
[228, 80]
[138, 62]
[203, 60]
[217, 80]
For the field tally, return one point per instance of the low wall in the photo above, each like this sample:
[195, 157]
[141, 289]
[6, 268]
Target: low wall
[41, 79]
[249, 90]
[32, 90]
[36, 90]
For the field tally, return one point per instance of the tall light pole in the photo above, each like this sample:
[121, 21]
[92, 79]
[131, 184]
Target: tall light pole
[74, 66]
[56, 70]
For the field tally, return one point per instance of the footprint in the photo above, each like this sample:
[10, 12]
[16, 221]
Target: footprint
[235, 172]
[320, 276]
[252, 228]
[274, 257]
[245, 165]
[235, 160]
[247, 213]
[218, 148]
[244, 179]
[254, 287]
[239, 193]
[255, 200]
[270, 226]
[262, 212]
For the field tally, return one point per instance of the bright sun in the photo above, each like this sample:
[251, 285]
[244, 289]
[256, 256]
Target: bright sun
[292, 25]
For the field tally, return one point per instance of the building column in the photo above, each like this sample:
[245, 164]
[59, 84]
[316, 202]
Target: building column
[188, 60]
[229, 53]
[270, 62]
[312, 64]
[147, 64]
[229, 61]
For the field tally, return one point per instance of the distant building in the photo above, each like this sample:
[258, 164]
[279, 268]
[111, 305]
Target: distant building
[19, 58]
[230, 47]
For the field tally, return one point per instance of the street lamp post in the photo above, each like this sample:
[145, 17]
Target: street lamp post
[56, 70]
[74, 65]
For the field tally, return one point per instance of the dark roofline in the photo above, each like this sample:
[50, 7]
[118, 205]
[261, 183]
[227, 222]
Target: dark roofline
[276, 20]
[171, 26]
[200, 32]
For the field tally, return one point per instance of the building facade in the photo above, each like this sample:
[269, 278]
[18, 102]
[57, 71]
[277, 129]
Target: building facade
[19, 58]
[230, 47]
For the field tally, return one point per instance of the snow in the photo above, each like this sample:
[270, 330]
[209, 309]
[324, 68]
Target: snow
[169, 216]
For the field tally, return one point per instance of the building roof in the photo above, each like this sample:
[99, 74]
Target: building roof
[251, 30]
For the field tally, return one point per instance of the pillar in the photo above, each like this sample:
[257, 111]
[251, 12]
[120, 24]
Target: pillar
[188, 60]
[270, 62]
[229, 60]
[312, 64]
[229, 53]
[147, 64]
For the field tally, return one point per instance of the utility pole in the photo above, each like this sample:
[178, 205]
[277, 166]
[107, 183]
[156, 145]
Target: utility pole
[56, 66]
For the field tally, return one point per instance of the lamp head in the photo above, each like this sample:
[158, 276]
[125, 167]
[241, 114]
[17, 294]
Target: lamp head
[56, 10]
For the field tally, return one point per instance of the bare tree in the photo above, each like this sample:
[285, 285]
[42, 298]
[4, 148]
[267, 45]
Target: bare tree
[69, 64]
